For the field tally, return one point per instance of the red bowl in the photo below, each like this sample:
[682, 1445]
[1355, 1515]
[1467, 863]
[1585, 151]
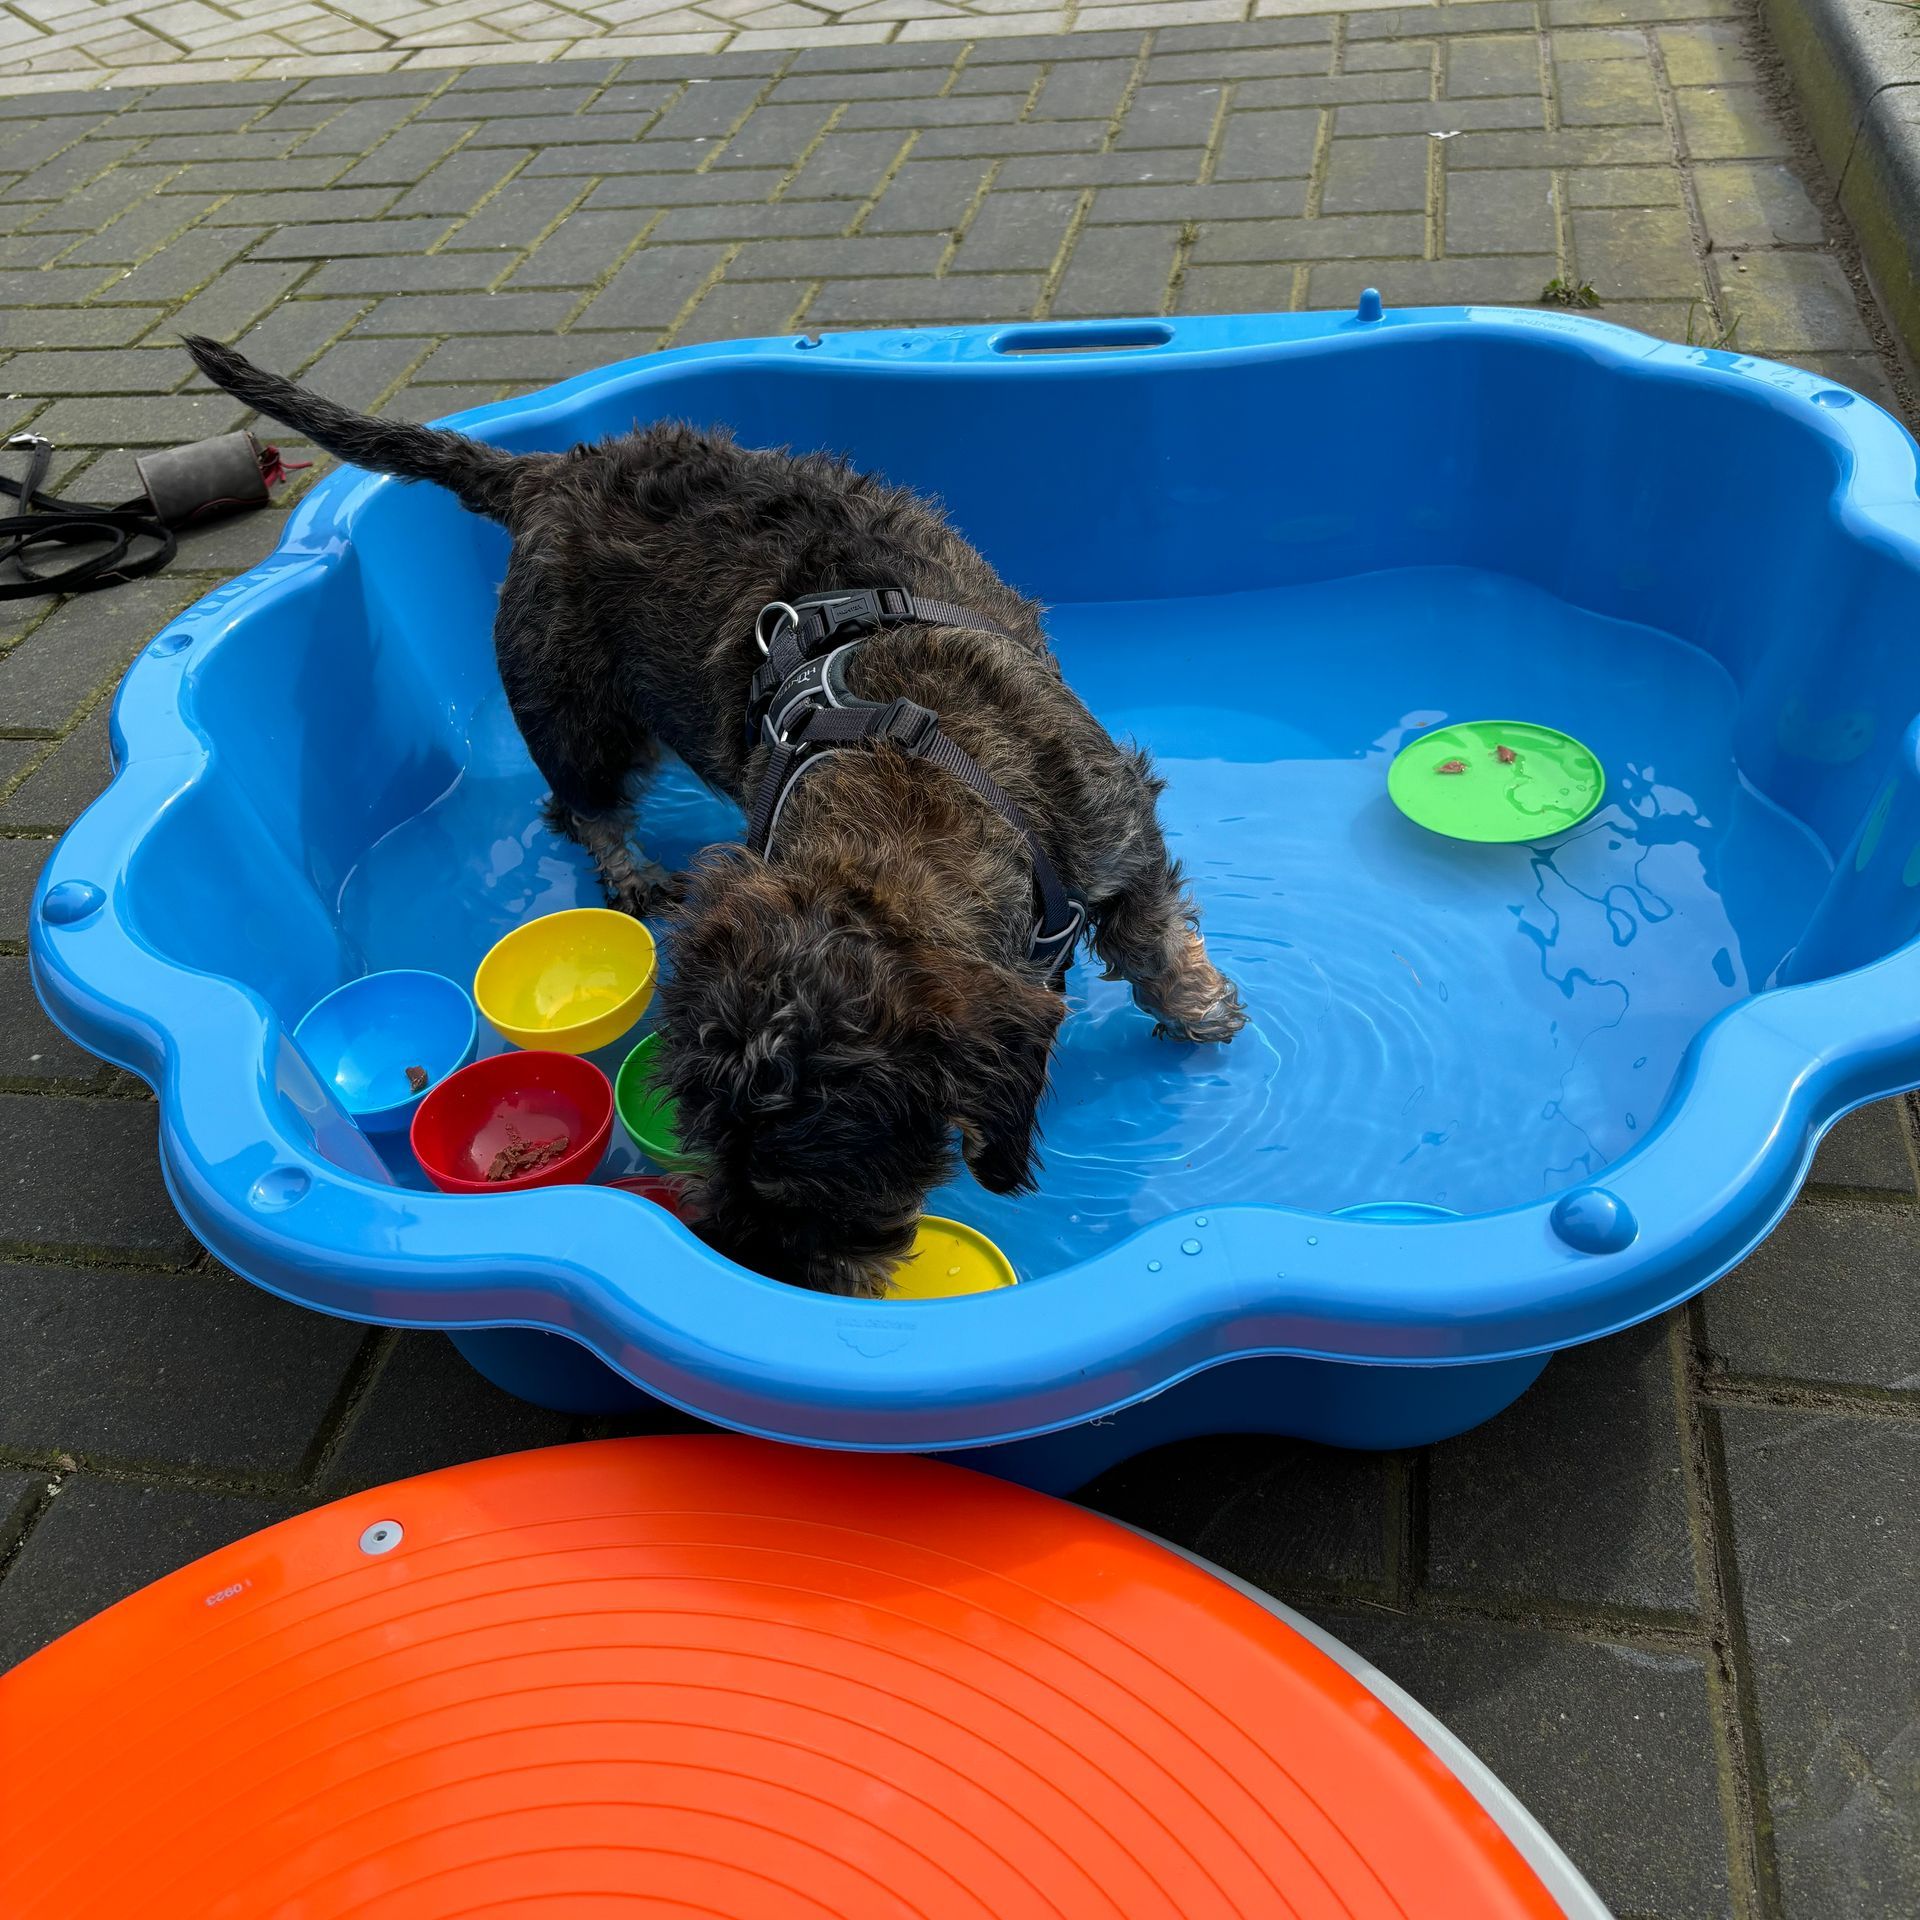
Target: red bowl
[663, 1192]
[513, 1101]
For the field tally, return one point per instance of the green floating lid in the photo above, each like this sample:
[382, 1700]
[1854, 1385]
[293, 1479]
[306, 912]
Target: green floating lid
[1496, 780]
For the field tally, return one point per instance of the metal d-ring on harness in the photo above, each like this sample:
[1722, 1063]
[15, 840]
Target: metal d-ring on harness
[800, 706]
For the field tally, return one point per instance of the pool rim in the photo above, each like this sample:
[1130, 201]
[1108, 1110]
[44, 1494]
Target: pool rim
[246, 1131]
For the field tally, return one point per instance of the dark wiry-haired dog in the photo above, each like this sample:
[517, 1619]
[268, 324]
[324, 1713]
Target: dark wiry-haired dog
[834, 1014]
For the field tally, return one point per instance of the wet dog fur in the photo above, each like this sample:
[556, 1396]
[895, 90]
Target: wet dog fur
[836, 1014]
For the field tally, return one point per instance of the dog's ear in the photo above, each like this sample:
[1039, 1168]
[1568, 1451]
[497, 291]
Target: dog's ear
[1000, 1072]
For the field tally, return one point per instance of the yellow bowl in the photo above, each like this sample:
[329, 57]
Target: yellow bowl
[948, 1258]
[569, 982]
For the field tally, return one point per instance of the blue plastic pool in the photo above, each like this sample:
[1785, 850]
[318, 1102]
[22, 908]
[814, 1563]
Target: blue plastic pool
[1493, 1100]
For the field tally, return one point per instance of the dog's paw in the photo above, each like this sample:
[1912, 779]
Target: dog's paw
[1217, 1023]
[646, 887]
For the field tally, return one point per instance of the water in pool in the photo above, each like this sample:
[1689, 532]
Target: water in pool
[1455, 1025]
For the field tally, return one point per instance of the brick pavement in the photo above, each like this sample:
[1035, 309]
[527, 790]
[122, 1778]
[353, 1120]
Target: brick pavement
[1671, 1595]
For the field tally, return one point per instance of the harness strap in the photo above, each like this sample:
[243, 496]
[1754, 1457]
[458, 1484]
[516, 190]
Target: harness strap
[798, 703]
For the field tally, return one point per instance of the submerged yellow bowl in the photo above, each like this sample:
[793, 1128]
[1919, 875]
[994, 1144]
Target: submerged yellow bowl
[569, 982]
[948, 1258]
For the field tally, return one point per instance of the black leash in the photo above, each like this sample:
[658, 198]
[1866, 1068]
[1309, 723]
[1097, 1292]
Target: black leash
[800, 705]
[52, 522]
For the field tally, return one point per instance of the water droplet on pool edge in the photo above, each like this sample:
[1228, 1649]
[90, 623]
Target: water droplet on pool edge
[1313, 1239]
[1189, 1246]
[1153, 1266]
[1200, 1220]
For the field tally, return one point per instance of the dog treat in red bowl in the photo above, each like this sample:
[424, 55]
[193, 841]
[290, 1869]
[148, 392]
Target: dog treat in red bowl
[516, 1120]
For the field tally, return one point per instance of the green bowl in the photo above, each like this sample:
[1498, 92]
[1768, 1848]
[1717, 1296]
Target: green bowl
[646, 1108]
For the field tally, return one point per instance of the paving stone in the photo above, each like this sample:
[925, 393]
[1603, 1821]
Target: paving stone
[516, 216]
[293, 332]
[654, 289]
[1508, 280]
[1500, 212]
[1322, 90]
[513, 358]
[927, 196]
[1225, 200]
[709, 110]
[1181, 165]
[1179, 116]
[1040, 136]
[1608, 93]
[303, 204]
[777, 136]
[104, 199]
[1568, 147]
[457, 185]
[261, 176]
[723, 185]
[20, 864]
[162, 420]
[425, 1409]
[1280, 1513]
[1497, 64]
[634, 156]
[1706, 54]
[138, 231]
[1378, 236]
[581, 250]
[357, 372]
[1829, 1297]
[95, 370]
[185, 266]
[420, 405]
[1636, 253]
[1249, 63]
[31, 1047]
[1794, 302]
[1388, 175]
[1268, 145]
[52, 796]
[1756, 204]
[790, 219]
[1824, 1521]
[361, 126]
[999, 75]
[83, 1175]
[331, 239]
[387, 273]
[1118, 270]
[1440, 116]
[80, 648]
[49, 286]
[1091, 89]
[233, 300]
[866, 115]
[1382, 56]
[520, 103]
[1266, 288]
[850, 166]
[229, 1376]
[445, 313]
[1623, 187]
[744, 310]
[100, 1540]
[830, 259]
[1868, 1148]
[1729, 123]
[1577, 1493]
[406, 156]
[966, 296]
[832, 88]
[1017, 230]
[1610, 1747]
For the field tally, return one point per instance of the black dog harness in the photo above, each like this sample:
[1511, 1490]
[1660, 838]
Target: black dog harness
[799, 704]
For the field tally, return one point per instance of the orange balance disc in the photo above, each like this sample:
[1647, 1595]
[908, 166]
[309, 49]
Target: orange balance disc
[714, 1677]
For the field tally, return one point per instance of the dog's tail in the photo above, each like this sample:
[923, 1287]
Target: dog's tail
[479, 476]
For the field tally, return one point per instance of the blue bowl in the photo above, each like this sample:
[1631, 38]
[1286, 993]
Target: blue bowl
[362, 1038]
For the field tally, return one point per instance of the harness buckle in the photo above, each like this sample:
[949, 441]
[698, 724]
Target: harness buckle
[1055, 950]
[909, 726]
[857, 610]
